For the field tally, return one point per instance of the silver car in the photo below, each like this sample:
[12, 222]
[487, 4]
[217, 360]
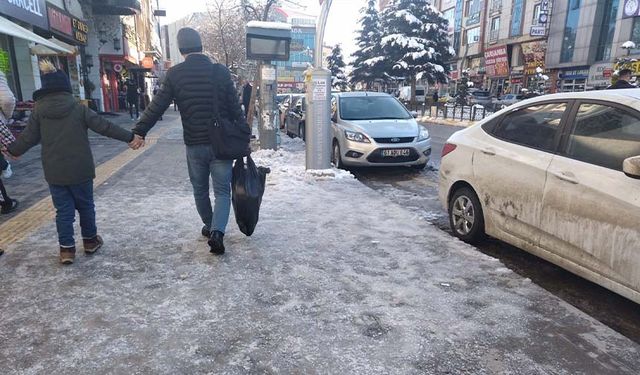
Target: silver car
[375, 129]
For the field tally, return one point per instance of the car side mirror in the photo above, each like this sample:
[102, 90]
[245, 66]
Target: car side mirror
[631, 167]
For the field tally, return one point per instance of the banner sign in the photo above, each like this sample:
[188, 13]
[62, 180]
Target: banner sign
[534, 54]
[496, 61]
[63, 23]
[457, 28]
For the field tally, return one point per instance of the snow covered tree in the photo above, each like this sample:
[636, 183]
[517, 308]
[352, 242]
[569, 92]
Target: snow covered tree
[336, 65]
[415, 42]
[462, 91]
[367, 60]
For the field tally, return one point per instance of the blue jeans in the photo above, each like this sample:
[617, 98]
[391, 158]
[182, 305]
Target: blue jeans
[202, 163]
[67, 199]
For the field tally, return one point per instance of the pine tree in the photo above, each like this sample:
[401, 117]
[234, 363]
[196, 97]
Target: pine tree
[367, 59]
[336, 65]
[462, 91]
[415, 42]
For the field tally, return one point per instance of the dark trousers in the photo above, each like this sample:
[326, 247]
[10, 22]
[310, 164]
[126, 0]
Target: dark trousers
[133, 103]
[5, 200]
[246, 109]
[68, 199]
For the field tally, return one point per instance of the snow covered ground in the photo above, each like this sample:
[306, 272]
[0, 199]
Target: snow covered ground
[336, 279]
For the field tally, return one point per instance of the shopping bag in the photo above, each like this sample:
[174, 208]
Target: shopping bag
[247, 188]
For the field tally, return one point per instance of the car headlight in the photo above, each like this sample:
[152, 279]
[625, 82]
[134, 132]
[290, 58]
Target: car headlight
[424, 134]
[356, 137]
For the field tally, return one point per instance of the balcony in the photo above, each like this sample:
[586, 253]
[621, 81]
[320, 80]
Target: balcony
[116, 7]
[496, 6]
[494, 35]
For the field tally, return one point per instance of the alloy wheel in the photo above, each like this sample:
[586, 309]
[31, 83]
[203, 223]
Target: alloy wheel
[463, 215]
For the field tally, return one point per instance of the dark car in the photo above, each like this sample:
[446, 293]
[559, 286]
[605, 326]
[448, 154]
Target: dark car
[295, 119]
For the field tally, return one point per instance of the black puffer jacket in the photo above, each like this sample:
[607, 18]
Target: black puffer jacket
[194, 84]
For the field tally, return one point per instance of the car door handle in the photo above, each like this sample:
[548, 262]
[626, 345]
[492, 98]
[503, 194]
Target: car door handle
[488, 151]
[566, 176]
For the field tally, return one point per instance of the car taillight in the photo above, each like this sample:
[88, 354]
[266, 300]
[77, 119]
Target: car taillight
[448, 148]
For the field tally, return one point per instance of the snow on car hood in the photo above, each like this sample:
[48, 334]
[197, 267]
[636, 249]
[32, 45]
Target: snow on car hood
[386, 128]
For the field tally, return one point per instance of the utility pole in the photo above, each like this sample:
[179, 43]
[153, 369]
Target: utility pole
[318, 97]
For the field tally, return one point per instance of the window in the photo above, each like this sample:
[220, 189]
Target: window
[495, 24]
[467, 7]
[604, 136]
[536, 15]
[570, 31]
[473, 35]
[534, 126]
[608, 28]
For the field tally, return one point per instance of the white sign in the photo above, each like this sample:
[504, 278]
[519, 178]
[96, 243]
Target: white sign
[319, 89]
[538, 31]
[268, 73]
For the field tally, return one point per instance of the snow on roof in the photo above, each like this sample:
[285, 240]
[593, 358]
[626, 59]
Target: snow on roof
[270, 25]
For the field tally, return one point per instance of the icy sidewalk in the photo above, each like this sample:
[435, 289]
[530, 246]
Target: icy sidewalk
[336, 280]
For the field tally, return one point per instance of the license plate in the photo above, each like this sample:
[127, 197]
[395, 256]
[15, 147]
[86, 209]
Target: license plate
[397, 152]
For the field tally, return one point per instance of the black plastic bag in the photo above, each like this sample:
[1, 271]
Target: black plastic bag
[247, 188]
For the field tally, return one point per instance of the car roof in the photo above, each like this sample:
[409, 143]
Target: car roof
[609, 95]
[355, 94]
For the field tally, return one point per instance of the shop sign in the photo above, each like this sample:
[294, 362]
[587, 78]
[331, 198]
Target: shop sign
[600, 74]
[5, 65]
[29, 11]
[454, 75]
[59, 21]
[634, 66]
[147, 62]
[538, 31]
[80, 30]
[631, 8]
[496, 61]
[474, 66]
[515, 80]
[534, 54]
[574, 73]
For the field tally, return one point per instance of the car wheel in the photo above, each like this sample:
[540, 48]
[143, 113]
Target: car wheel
[419, 167]
[301, 132]
[336, 157]
[465, 215]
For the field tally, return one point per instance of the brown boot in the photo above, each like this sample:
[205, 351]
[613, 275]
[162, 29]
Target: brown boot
[67, 255]
[92, 245]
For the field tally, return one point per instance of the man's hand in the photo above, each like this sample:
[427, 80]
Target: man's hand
[137, 142]
[7, 154]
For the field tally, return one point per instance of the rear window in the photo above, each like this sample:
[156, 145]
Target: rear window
[535, 126]
[419, 92]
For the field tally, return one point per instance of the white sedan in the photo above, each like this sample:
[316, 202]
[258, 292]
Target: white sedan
[558, 176]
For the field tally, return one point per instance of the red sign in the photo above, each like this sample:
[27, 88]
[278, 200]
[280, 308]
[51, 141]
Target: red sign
[59, 21]
[496, 61]
[607, 73]
[147, 62]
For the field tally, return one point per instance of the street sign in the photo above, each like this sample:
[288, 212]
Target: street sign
[538, 31]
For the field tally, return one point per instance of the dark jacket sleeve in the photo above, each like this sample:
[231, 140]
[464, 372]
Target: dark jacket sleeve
[28, 138]
[102, 126]
[229, 105]
[156, 108]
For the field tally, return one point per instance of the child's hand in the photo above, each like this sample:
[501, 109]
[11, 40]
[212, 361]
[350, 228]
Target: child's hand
[137, 142]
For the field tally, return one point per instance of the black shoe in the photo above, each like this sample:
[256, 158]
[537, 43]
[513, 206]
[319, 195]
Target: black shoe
[216, 242]
[9, 208]
[206, 232]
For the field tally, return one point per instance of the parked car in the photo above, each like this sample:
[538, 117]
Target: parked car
[375, 129]
[284, 103]
[479, 97]
[507, 100]
[295, 120]
[558, 176]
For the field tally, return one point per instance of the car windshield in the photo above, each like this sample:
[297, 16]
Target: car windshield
[372, 108]
[480, 93]
[419, 92]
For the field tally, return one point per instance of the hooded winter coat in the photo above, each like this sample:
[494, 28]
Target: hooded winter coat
[60, 123]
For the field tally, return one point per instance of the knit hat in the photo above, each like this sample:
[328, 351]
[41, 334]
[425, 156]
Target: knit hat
[53, 80]
[189, 41]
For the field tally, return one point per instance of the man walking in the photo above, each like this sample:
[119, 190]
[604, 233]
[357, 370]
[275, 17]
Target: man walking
[246, 97]
[200, 88]
[624, 76]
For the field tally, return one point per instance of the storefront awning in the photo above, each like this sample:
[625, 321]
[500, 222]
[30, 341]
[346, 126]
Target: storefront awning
[41, 50]
[9, 28]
